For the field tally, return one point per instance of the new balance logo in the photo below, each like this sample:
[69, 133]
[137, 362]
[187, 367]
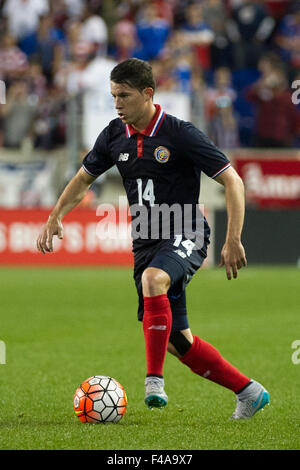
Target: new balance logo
[123, 157]
[157, 327]
[180, 253]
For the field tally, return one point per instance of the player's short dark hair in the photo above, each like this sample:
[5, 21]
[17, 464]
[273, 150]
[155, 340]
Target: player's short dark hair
[135, 73]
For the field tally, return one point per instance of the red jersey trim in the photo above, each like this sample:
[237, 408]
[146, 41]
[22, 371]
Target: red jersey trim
[152, 127]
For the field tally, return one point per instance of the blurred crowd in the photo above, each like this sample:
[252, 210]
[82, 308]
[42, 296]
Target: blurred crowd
[238, 57]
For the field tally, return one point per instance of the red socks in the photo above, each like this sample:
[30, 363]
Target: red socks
[203, 359]
[157, 323]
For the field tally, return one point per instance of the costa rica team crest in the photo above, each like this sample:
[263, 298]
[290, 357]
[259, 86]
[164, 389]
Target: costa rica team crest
[162, 154]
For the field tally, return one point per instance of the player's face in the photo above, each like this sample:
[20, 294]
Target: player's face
[130, 103]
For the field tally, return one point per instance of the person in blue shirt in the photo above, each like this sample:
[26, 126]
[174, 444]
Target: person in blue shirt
[287, 38]
[43, 45]
[152, 33]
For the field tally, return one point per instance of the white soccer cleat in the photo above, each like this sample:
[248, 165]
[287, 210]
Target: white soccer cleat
[251, 400]
[155, 396]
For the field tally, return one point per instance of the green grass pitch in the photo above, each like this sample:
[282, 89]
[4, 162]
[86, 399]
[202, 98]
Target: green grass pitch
[61, 326]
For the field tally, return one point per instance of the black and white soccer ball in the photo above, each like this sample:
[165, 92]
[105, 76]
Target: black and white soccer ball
[100, 399]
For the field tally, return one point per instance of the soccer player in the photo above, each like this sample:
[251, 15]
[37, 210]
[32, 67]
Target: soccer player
[160, 159]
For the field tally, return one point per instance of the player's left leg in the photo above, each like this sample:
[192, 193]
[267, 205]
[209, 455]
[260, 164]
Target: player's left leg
[204, 360]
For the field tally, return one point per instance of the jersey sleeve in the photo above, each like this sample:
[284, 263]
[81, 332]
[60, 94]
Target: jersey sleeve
[205, 155]
[98, 160]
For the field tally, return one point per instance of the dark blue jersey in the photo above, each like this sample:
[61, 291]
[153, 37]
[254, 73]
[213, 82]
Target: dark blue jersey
[160, 166]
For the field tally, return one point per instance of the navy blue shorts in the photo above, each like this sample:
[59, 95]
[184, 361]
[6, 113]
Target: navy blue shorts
[180, 262]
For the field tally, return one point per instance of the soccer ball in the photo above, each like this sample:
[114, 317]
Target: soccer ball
[100, 399]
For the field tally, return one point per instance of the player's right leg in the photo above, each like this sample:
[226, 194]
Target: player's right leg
[161, 275]
[157, 323]
[163, 288]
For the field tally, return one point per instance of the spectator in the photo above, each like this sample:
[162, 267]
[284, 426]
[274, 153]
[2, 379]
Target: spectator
[198, 34]
[152, 32]
[74, 7]
[23, 16]
[18, 114]
[59, 13]
[13, 62]
[215, 15]
[94, 30]
[223, 128]
[49, 125]
[97, 109]
[287, 39]
[125, 40]
[73, 30]
[46, 45]
[163, 72]
[165, 10]
[249, 30]
[37, 82]
[69, 52]
[181, 62]
[88, 70]
[268, 63]
[222, 89]
[278, 119]
[182, 73]
[85, 74]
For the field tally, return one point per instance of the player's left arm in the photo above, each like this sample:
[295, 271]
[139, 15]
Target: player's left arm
[233, 254]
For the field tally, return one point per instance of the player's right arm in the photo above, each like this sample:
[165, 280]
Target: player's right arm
[71, 196]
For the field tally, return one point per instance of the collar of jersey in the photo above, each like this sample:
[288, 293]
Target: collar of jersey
[152, 127]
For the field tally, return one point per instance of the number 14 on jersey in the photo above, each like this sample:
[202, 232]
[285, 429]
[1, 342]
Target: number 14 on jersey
[148, 194]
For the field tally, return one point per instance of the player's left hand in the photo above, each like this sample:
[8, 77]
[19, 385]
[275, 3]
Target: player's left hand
[233, 258]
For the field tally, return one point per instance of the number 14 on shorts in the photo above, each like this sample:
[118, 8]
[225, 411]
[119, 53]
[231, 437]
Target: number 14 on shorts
[188, 245]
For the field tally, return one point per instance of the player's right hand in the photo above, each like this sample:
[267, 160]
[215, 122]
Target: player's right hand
[44, 241]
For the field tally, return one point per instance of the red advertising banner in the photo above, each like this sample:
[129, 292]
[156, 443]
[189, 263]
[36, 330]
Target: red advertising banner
[270, 182]
[88, 238]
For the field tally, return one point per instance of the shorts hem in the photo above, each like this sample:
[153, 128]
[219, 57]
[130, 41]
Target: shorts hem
[168, 270]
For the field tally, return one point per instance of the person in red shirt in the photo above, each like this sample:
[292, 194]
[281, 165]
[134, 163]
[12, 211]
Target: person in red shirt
[13, 62]
[277, 117]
